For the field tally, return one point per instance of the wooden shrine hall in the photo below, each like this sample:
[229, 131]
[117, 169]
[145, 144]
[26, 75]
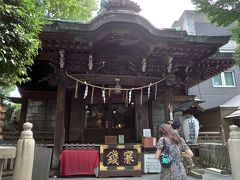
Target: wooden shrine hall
[115, 75]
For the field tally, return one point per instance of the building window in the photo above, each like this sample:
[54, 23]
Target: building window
[224, 79]
[42, 115]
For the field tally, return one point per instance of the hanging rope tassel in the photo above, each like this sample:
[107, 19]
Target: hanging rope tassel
[92, 95]
[149, 90]
[86, 90]
[103, 95]
[156, 91]
[130, 96]
[141, 97]
[76, 90]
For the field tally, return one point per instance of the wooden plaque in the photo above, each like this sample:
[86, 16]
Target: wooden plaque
[120, 160]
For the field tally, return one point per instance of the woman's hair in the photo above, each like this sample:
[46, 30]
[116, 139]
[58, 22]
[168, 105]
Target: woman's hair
[167, 130]
[176, 125]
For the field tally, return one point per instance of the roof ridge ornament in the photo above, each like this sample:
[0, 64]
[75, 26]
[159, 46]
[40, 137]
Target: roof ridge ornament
[128, 5]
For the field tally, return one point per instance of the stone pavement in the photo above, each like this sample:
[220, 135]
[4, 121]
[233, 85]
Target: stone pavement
[209, 175]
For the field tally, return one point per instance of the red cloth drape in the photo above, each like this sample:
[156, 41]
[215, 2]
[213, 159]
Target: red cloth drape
[76, 162]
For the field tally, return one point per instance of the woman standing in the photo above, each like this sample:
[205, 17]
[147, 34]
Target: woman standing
[177, 148]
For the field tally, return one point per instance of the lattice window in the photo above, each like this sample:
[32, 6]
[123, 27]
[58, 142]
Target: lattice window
[42, 115]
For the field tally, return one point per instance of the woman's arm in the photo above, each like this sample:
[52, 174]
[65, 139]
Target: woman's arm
[157, 154]
[187, 153]
[159, 148]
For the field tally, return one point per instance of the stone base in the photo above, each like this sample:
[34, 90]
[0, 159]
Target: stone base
[196, 173]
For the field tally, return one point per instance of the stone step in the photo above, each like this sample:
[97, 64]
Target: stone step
[196, 174]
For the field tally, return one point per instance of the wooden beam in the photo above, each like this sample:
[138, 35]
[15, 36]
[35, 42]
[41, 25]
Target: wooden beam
[168, 103]
[47, 56]
[38, 95]
[23, 114]
[59, 127]
[177, 99]
[150, 109]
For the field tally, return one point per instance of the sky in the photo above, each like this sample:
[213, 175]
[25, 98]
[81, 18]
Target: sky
[162, 13]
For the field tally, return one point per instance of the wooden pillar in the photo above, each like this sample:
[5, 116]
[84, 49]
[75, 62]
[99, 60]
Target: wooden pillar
[59, 126]
[110, 116]
[168, 104]
[150, 121]
[23, 115]
[67, 114]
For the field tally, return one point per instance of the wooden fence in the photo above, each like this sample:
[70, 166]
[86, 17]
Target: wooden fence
[39, 137]
[210, 151]
[210, 137]
[214, 155]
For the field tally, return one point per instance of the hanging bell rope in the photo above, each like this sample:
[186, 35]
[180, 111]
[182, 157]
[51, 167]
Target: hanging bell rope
[92, 95]
[156, 91]
[76, 90]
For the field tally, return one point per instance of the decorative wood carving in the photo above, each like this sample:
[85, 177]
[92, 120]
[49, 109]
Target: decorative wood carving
[117, 68]
[120, 5]
[122, 39]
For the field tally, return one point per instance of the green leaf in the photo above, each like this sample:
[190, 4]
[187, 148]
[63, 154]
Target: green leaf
[224, 13]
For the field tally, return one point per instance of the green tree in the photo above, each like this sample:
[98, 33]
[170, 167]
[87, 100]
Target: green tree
[5, 91]
[20, 24]
[223, 13]
[69, 9]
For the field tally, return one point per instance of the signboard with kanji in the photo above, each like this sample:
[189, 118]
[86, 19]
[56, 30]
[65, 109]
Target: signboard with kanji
[120, 160]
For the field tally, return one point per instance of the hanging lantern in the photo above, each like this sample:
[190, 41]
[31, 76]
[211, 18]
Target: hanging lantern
[117, 87]
[190, 128]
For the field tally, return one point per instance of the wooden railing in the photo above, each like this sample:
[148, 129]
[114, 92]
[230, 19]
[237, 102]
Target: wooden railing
[210, 137]
[81, 146]
[214, 155]
[11, 136]
[43, 137]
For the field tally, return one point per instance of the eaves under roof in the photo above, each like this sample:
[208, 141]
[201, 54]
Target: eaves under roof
[121, 41]
[234, 115]
[234, 102]
[120, 20]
